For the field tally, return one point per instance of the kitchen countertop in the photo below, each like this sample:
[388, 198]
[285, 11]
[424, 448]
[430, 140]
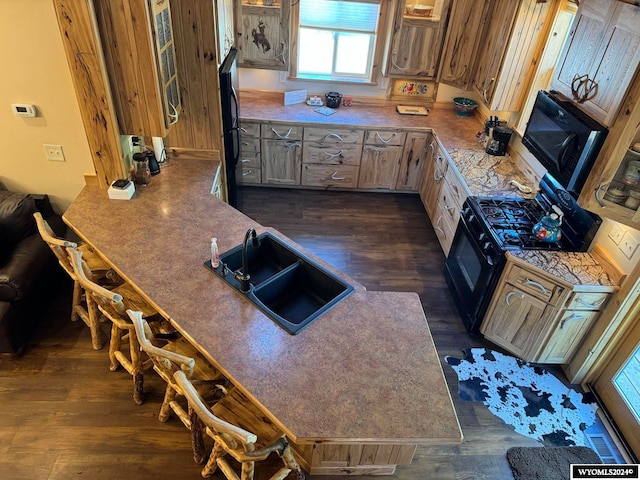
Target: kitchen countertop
[484, 175]
[366, 371]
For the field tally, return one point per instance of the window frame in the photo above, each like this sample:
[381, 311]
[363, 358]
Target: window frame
[378, 49]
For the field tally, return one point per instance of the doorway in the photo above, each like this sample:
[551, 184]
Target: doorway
[618, 386]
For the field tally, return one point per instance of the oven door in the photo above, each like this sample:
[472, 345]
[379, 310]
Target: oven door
[472, 270]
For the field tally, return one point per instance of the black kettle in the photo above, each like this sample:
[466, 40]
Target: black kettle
[333, 99]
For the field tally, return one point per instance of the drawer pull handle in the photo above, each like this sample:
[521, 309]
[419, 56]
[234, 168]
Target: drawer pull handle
[334, 135]
[570, 319]
[243, 130]
[543, 290]
[510, 294]
[437, 228]
[333, 177]
[292, 144]
[334, 155]
[247, 172]
[383, 140]
[245, 160]
[591, 305]
[286, 135]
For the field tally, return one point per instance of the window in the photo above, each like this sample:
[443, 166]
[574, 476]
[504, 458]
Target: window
[336, 39]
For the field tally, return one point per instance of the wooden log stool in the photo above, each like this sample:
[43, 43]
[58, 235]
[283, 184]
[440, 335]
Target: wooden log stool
[124, 349]
[98, 272]
[225, 422]
[178, 354]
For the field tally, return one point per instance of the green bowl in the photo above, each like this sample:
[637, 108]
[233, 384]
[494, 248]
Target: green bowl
[464, 107]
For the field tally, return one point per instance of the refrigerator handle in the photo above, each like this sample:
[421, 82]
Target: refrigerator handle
[236, 127]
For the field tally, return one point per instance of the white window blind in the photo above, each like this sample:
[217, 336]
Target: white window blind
[353, 16]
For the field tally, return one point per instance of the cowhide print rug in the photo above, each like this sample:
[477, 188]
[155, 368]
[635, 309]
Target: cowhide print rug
[527, 397]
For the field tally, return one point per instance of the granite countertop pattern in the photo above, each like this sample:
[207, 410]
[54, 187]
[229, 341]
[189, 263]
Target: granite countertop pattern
[484, 175]
[576, 268]
[367, 370]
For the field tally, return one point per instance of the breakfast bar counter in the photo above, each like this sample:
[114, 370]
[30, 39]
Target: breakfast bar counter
[355, 391]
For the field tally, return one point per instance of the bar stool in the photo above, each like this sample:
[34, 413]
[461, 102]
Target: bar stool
[113, 305]
[178, 354]
[100, 272]
[221, 424]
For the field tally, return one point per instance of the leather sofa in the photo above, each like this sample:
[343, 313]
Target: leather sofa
[28, 268]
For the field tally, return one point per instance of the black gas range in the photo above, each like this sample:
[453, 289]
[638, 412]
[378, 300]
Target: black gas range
[489, 226]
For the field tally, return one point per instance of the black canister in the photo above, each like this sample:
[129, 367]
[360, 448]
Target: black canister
[333, 99]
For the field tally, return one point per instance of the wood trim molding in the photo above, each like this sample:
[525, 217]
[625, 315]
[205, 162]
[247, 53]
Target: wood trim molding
[79, 33]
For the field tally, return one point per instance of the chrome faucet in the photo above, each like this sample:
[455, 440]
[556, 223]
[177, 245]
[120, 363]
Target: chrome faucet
[243, 276]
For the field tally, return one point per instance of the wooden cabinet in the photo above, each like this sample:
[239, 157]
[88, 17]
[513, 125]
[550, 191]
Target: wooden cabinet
[414, 158]
[510, 47]
[331, 157]
[225, 27]
[281, 152]
[140, 57]
[434, 173]
[464, 34]
[249, 168]
[539, 317]
[263, 34]
[600, 57]
[381, 156]
[416, 41]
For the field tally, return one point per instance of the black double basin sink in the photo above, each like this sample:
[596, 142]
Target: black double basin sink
[285, 284]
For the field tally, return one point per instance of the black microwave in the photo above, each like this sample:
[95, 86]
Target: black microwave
[564, 139]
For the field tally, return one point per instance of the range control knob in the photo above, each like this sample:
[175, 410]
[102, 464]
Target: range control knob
[481, 237]
[486, 246]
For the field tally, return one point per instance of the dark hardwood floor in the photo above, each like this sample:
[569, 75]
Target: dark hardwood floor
[65, 415]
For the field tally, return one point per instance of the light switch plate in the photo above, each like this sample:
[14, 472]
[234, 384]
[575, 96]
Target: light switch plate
[628, 245]
[616, 233]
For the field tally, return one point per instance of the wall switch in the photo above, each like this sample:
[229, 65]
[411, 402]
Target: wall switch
[616, 233]
[54, 153]
[628, 245]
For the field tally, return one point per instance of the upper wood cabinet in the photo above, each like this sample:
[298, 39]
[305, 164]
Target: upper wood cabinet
[509, 48]
[416, 41]
[464, 34]
[600, 57]
[225, 27]
[139, 52]
[263, 34]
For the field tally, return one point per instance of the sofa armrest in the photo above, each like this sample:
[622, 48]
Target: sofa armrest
[23, 267]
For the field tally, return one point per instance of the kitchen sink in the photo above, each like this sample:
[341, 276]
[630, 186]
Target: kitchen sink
[285, 284]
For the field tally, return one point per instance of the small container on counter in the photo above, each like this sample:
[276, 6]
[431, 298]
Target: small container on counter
[215, 254]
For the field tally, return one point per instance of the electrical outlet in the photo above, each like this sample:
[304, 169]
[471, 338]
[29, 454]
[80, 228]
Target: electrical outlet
[628, 245]
[283, 77]
[54, 153]
[616, 233]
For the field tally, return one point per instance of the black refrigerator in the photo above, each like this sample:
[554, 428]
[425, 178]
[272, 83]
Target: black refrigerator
[230, 108]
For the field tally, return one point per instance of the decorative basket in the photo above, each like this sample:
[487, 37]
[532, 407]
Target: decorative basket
[464, 107]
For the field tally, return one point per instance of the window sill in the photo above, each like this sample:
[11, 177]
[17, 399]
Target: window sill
[346, 81]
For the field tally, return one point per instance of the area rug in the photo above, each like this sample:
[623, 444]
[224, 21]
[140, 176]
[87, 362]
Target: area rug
[527, 397]
[539, 463]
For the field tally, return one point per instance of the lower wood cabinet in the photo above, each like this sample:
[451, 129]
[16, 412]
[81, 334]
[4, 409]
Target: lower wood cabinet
[281, 162]
[539, 317]
[336, 176]
[379, 166]
[414, 158]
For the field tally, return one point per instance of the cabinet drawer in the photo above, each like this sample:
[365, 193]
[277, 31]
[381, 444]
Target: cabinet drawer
[331, 154]
[384, 137]
[249, 144]
[444, 229]
[587, 300]
[249, 129]
[284, 132]
[333, 135]
[534, 284]
[345, 176]
[458, 190]
[449, 207]
[249, 159]
[248, 175]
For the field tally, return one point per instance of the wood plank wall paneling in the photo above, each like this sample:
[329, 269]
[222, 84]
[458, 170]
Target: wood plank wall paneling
[76, 19]
[199, 126]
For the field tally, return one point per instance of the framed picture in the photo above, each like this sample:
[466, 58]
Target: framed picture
[412, 92]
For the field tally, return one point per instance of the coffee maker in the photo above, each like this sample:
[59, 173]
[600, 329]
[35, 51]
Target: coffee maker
[497, 136]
